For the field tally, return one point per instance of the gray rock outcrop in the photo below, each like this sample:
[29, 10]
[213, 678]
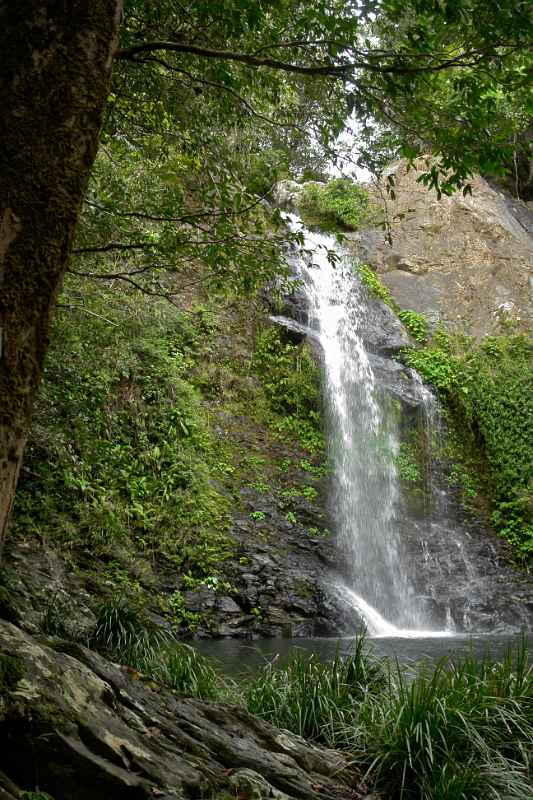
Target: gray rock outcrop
[464, 261]
[80, 727]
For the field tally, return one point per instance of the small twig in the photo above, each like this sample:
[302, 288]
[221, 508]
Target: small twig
[86, 311]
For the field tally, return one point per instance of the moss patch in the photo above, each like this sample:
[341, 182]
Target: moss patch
[11, 672]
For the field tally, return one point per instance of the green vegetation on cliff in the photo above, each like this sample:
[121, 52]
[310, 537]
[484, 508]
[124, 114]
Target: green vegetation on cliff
[339, 204]
[290, 378]
[488, 389]
[121, 453]
[136, 464]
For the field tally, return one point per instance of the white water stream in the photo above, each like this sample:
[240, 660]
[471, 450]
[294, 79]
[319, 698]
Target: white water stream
[363, 443]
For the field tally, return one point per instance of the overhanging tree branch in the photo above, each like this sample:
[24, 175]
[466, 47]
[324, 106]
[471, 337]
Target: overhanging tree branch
[131, 54]
[463, 59]
[215, 85]
[114, 246]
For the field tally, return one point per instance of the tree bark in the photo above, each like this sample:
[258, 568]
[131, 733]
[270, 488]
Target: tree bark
[55, 70]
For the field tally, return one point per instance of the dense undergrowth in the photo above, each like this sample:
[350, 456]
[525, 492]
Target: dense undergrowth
[121, 455]
[125, 474]
[488, 390]
[291, 382]
[460, 730]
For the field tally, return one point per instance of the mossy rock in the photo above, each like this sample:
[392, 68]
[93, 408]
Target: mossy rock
[11, 672]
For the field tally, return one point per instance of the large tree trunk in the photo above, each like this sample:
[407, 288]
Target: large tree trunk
[55, 67]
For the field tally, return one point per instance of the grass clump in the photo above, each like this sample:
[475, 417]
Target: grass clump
[461, 730]
[185, 671]
[124, 632]
[313, 698]
[35, 795]
[339, 204]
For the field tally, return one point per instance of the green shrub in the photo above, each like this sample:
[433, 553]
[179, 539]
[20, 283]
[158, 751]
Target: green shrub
[415, 323]
[339, 204]
[374, 285]
[407, 464]
[436, 366]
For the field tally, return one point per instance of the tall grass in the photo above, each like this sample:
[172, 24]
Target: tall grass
[124, 633]
[461, 730]
[312, 698]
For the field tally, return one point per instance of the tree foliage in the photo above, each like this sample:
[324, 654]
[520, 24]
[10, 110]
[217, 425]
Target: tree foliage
[466, 98]
[212, 103]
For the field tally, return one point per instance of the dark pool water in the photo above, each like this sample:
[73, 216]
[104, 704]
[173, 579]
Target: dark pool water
[237, 657]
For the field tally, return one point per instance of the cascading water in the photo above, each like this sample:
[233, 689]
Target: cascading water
[363, 445]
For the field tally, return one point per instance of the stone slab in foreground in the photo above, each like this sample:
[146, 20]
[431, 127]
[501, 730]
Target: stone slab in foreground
[80, 727]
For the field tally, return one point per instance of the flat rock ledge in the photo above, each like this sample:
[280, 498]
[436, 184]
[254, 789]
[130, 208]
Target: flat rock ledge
[78, 726]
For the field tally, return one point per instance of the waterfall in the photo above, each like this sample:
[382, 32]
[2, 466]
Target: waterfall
[363, 443]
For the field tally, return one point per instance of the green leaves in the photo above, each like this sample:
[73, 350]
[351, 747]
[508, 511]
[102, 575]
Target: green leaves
[289, 376]
[489, 391]
[415, 323]
[121, 450]
[195, 137]
[371, 280]
[338, 204]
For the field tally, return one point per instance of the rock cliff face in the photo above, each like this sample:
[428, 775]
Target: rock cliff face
[464, 261]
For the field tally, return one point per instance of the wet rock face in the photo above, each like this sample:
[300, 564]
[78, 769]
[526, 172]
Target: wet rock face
[283, 574]
[94, 731]
[461, 571]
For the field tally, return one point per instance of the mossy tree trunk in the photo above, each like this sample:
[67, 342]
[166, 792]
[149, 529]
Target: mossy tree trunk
[55, 68]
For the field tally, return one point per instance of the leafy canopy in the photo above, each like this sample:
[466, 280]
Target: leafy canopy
[213, 102]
